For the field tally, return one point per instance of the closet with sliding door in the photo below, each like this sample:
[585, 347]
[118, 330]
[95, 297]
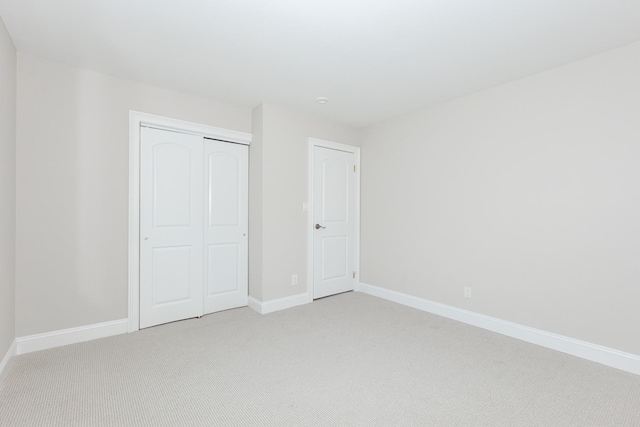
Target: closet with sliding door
[193, 225]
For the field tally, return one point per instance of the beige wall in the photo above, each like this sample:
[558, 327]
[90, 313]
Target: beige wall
[528, 192]
[284, 174]
[255, 204]
[72, 188]
[7, 189]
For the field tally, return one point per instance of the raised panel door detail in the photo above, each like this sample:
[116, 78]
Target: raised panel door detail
[334, 257]
[335, 190]
[224, 191]
[172, 170]
[223, 268]
[171, 276]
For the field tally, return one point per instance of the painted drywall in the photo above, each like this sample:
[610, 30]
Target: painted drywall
[7, 189]
[255, 204]
[284, 181]
[529, 193]
[72, 188]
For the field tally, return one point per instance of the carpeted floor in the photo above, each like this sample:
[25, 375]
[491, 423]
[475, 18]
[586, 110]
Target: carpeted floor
[349, 360]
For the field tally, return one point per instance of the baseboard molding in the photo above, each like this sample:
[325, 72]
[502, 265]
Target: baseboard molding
[265, 307]
[30, 343]
[585, 350]
[255, 304]
[4, 364]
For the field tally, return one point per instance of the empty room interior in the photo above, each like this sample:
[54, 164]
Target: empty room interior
[320, 213]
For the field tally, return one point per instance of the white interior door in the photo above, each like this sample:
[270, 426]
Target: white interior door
[334, 221]
[171, 225]
[226, 225]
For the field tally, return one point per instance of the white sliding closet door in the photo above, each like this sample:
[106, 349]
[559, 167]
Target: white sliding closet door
[193, 226]
[226, 224]
[171, 218]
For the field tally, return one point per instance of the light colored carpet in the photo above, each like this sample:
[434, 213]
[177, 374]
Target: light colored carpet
[351, 359]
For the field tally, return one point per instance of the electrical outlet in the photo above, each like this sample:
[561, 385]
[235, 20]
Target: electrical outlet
[294, 279]
[467, 292]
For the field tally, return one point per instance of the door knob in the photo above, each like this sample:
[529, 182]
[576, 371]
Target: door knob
[318, 227]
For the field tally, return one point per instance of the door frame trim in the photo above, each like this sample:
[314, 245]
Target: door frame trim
[136, 120]
[316, 142]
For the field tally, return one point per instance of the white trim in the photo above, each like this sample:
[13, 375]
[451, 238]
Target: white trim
[255, 304]
[315, 142]
[137, 119]
[166, 123]
[585, 350]
[333, 145]
[62, 337]
[265, 307]
[4, 365]
[310, 222]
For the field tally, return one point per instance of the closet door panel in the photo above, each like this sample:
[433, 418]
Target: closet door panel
[224, 190]
[171, 226]
[225, 234]
[223, 264]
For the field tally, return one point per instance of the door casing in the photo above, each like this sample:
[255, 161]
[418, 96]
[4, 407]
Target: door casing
[136, 120]
[315, 142]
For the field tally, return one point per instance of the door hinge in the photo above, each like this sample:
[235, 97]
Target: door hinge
[354, 274]
[354, 168]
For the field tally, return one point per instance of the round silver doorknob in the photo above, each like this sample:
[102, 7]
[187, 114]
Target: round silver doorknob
[318, 227]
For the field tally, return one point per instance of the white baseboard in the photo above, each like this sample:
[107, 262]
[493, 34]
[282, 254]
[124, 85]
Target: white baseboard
[255, 305]
[264, 307]
[62, 337]
[4, 364]
[593, 352]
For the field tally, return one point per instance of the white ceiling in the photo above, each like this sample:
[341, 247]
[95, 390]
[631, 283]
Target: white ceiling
[373, 59]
